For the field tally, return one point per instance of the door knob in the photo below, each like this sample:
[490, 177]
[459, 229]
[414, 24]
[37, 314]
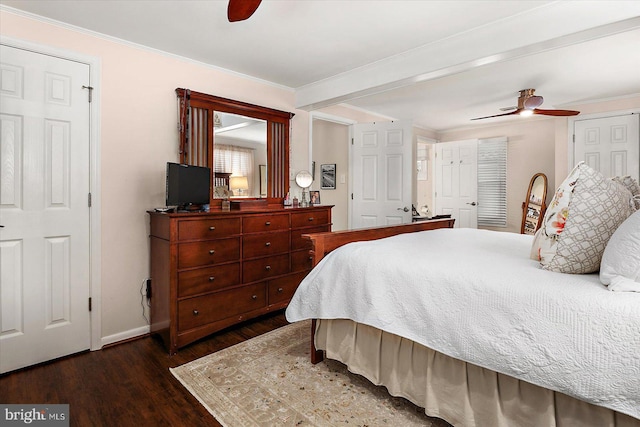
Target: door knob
[405, 209]
[472, 203]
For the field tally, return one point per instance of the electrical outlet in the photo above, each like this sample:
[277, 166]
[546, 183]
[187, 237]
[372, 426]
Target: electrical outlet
[148, 288]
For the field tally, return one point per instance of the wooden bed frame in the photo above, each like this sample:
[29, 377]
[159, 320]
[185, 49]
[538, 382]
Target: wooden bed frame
[323, 243]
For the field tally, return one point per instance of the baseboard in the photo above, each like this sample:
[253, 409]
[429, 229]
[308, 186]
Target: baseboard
[125, 335]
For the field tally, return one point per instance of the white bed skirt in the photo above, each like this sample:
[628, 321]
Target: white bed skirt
[463, 394]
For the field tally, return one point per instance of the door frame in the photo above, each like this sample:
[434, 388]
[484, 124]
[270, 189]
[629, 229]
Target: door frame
[342, 121]
[95, 229]
[571, 128]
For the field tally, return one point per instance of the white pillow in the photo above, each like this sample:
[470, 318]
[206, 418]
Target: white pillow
[620, 267]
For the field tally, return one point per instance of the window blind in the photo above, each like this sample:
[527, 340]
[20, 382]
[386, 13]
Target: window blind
[492, 182]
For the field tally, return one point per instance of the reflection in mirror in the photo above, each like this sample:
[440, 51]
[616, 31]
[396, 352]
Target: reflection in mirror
[240, 148]
[534, 206]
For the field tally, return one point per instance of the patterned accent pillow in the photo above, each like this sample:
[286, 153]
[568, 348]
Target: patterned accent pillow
[585, 211]
[631, 185]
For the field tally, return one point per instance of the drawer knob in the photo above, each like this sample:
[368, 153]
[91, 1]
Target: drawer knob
[311, 218]
[254, 296]
[310, 258]
[280, 289]
[268, 267]
[267, 223]
[268, 244]
[196, 312]
[211, 252]
[211, 278]
[212, 228]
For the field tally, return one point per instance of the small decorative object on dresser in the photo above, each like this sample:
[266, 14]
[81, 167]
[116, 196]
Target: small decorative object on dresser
[215, 269]
[315, 197]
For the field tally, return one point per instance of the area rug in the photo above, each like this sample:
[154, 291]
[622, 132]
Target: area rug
[269, 381]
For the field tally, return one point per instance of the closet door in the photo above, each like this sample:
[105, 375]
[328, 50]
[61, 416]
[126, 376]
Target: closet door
[457, 181]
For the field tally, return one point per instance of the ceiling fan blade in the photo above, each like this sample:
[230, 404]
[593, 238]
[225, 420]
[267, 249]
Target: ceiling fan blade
[499, 115]
[556, 112]
[239, 10]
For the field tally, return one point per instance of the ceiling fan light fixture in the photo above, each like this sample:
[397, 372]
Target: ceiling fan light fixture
[528, 104]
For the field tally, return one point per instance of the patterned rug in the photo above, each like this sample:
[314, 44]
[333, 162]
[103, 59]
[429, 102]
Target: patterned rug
[269, 381]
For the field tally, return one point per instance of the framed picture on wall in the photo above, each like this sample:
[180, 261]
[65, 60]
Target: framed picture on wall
[328, 177]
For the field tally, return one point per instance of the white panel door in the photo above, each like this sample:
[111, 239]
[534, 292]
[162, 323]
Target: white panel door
[44, 242]
[456, 170]
[610, 145]
[381, 159]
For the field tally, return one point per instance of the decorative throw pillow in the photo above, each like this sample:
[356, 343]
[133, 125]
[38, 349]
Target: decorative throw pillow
[620, 267]
[631, 185]
[585, 211]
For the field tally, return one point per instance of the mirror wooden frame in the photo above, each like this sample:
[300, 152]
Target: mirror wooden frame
[196, 137]
[538, 208]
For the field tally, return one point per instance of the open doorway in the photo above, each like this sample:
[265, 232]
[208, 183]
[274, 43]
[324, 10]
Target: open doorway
[330, 139]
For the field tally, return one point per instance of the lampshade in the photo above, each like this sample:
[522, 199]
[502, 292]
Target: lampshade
[238, 183]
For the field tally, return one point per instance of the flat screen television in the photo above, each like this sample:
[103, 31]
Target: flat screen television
[187, 185]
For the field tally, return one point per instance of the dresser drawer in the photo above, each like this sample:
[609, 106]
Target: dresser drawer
[208, 252]
[301, 260]
[309, 219]
[201, 280]
[207, 229]
[297, 242]
[264, 268]
[283, 288]
[199, 311]
[262, 244]
[259, 223]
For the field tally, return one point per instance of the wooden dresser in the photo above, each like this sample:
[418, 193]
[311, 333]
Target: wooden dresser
[212, 270]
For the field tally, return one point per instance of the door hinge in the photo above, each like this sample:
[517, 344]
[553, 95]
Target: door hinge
[90, 92]
[89, 200]
[351, 141]
[89, 303]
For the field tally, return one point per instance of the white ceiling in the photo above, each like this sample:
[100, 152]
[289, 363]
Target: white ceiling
[438, 63]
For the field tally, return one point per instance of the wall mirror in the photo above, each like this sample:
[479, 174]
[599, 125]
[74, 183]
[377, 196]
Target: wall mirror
[240, 142]
[240, 148]
[534, 206]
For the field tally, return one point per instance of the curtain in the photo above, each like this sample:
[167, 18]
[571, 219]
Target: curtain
[235, 160]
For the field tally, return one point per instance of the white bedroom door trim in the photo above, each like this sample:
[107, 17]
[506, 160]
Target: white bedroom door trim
[95, 229]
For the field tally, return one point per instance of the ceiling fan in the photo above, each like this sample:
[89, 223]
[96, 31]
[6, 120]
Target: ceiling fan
[239, 10]
[528, 104]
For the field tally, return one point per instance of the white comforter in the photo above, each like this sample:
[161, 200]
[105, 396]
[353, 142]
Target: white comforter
[476, 296]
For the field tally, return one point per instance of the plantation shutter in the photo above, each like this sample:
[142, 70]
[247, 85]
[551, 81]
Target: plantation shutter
[492, 182]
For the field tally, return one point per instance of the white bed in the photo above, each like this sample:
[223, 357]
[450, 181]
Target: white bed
[476, 298]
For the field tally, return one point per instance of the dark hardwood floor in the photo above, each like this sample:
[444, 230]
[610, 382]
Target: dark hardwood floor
[127, 384]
